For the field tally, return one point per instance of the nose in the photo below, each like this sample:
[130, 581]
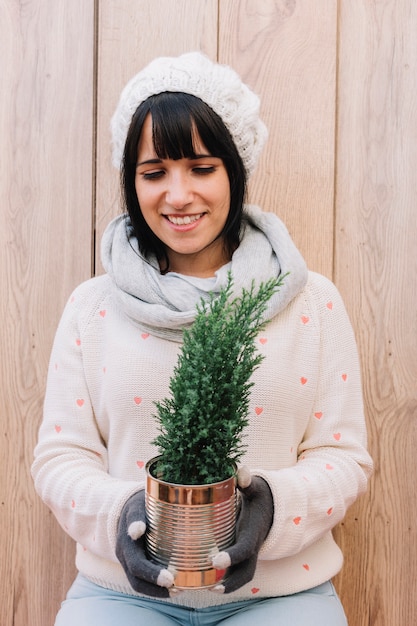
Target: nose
[179, 193]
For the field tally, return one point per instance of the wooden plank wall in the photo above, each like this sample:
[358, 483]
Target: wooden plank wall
[46, 190]
[375, 267]
[339, 93]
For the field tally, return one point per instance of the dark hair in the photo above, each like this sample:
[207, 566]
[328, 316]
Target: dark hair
[175, 115]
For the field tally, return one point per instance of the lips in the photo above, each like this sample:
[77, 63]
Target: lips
[183, 220]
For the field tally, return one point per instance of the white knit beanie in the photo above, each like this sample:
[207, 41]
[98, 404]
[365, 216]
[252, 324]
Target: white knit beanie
[219, 86]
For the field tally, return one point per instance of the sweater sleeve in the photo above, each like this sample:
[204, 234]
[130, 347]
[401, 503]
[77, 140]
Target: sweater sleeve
[70, 464]
[333, 465]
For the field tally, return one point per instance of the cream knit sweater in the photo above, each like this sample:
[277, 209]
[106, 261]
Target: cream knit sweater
[306, 435]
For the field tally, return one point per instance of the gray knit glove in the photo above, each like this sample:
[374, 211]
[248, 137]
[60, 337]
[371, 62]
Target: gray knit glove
[253, 525]
[144, 576]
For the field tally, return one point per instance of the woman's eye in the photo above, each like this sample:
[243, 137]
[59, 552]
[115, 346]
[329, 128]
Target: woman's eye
[153, 175]
[202, 170]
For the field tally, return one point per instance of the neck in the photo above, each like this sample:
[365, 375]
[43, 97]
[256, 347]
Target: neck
[189, 268]
[201, 265]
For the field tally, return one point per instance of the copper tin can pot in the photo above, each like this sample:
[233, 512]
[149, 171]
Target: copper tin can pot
[187, 525]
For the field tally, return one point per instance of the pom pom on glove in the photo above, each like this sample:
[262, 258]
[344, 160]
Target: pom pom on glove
[253, 525]
[144, 576]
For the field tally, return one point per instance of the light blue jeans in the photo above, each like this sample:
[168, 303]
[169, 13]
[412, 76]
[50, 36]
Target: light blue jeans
[88, 604]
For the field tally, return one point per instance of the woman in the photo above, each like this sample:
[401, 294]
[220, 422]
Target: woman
[186, 135]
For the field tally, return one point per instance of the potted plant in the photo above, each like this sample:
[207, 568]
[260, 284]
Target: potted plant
[190, 492]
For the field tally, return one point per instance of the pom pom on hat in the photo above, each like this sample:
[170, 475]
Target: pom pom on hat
[217, 85]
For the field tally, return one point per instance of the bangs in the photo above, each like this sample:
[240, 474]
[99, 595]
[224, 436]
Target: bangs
[176, 119]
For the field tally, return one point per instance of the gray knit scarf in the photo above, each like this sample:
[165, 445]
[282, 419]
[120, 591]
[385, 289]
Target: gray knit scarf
[165, 307]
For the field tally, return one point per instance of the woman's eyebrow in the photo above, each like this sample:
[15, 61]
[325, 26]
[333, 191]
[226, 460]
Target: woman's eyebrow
[156, 160]
[149, 161]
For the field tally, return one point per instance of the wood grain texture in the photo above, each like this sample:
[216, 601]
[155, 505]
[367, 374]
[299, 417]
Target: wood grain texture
[376, 270]
[45, 246]
[286, 51]
[131, 34]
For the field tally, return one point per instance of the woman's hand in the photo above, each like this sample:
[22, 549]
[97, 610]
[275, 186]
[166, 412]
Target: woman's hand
[144, 576]
[253, 525]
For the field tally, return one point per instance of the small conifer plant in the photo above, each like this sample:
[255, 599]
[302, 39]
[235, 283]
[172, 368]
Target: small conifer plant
[201, 424]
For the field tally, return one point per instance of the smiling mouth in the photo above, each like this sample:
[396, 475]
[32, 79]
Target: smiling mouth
[182, 221]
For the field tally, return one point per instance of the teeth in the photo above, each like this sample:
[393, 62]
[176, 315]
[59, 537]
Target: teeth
[181, 221]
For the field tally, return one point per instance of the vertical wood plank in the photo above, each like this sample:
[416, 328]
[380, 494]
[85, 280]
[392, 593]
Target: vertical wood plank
[46, 79]
[286, 51]
[131, 34]
[376, 270]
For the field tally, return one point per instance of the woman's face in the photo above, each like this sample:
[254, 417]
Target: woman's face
[185, 203]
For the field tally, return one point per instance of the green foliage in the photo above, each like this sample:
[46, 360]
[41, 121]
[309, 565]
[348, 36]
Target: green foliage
[201, 424]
